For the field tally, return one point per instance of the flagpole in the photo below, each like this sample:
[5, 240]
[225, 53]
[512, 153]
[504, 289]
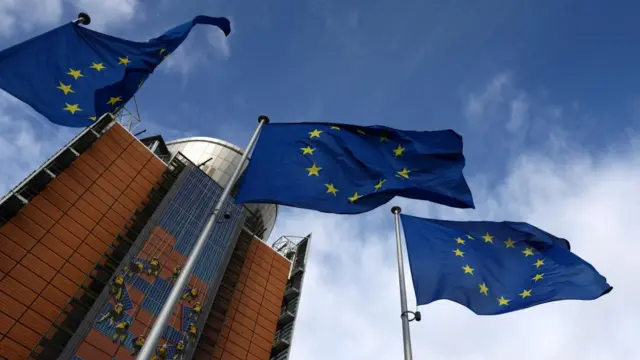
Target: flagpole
[83, 19]
[160, 324]
[406, 335]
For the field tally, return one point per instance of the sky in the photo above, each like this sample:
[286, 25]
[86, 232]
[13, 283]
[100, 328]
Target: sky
[545, 95]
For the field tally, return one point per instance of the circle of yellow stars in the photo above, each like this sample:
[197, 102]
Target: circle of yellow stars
[314, 170]
[66, 86]
[509, 244]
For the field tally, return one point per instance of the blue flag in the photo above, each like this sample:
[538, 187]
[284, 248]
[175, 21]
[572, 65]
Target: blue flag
[345, 169]
[73, 75]
[495, 267]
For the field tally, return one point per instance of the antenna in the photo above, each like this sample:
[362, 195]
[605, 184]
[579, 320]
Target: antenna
[129, 120]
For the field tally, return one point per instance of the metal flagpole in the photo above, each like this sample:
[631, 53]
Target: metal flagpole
[160, 324]
[406, 335]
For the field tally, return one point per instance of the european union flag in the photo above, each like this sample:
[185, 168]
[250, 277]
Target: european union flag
[347, 169]
[495, 267]
[73, 75]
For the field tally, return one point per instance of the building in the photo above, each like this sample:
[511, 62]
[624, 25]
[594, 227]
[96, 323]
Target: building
[91, 242]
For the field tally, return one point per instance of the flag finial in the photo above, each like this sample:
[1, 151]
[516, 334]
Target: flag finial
[264, 118]
[83, 19]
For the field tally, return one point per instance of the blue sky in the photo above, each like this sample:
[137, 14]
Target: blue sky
[545, 95]
[410, 65]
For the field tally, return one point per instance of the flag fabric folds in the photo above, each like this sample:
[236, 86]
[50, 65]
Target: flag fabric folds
[347, 169]
[495, 267]
[73, 75]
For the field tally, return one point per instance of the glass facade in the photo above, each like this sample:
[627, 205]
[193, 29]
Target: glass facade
[218, 159]
[186, 216]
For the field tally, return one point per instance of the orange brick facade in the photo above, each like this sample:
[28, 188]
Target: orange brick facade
[49, 248]
[251, 320]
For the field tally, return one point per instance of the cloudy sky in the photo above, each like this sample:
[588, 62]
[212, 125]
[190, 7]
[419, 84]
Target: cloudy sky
[545, 95]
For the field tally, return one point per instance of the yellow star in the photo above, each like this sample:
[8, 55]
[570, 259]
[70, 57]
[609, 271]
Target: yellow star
[315, 133]
[502, 301]
[65, 88]
[335, 128]
[398, 151]
[538, 277]
[314, 170]
[97, 66]
[354, 197]
[469, 237]
[484, 289]
[468, 269]
[488, 238]
[404, 173]
[458, 253]
[459, 241]
[539, 263]
[384, 138]
[307, 150]
[331, 189]
[361, 132]
[161, 51]
[379, 184]
[124, 61]
[527, 252]
[166, 56]
[92, 118]
[114, 100]
[525, 293]
[510, 243]
[72, 108]
[75, 73]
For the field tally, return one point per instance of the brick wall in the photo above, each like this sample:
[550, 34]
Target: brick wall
[47, 250]
[251, 321]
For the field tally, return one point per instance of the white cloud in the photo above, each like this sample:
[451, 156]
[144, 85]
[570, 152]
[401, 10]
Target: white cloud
[183, 60]
[477, 104]
[519, 113]
[26, 141]
[26, 15]
[503, 103]
[16, 15]
[219, 41]
[350, 301]
[107, 13]
[193, 53]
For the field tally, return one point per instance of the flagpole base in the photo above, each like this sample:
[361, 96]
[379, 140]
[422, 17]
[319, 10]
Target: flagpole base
[264, 119]
[396, 210]
[83, 19]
